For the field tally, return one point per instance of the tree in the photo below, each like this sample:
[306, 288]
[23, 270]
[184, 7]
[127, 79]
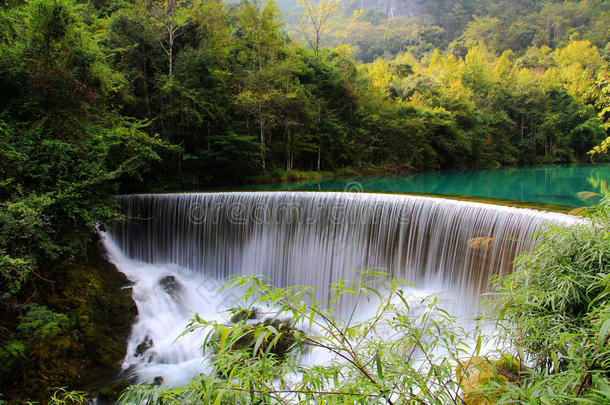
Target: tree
[174, 16]
[259, 32]
[132, 41]
[313, 21]
[599, 96]
[258, 103]
[259, 43]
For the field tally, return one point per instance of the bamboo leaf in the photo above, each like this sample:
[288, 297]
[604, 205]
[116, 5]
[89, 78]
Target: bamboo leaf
[379, 367]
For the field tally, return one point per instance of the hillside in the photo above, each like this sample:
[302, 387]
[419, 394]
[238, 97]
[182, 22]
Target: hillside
[379, 28]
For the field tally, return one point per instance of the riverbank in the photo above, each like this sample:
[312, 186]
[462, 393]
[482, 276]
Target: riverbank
[281, 175]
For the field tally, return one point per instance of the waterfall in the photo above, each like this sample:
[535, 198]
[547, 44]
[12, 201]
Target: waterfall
[177, 248]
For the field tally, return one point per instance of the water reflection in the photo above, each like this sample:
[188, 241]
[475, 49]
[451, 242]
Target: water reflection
[557, 185]
[599, 185]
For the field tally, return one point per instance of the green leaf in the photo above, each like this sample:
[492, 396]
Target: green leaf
[603, 333]
[379, 367]
[219, 397]
[259, 341]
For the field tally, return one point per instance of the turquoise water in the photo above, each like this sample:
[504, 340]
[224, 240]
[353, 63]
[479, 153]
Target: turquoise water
[557, 185]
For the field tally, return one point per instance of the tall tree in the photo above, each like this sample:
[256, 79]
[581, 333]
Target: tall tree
[313, 21]
[260, 42]
[174, 17]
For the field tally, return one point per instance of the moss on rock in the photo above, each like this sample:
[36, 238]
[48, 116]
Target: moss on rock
[477, 375]
[259, 337]
[109, 395]
[91, 294]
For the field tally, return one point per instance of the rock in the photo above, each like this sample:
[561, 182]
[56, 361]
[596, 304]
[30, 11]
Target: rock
[510, 367]
[171, 286]
[476, 373]
[144, 346]
[244, 314]
[281, 348]
[109, 395]
[158, 380]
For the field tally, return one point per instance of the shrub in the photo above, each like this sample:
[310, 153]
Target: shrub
[10, 354]
[63, 396]
[554, 313]
[40, 323]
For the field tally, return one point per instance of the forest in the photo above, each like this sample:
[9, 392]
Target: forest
[105, 97]
[226, 84]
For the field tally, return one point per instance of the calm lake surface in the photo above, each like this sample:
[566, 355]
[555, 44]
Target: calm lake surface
[556, 185]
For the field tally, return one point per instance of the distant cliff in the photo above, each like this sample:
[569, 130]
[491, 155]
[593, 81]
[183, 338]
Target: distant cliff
[391, 8]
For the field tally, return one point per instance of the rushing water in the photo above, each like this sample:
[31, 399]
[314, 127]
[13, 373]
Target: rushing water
[556, 185]
[178, 248]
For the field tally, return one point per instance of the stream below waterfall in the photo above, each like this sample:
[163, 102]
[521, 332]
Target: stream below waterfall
[178, 250]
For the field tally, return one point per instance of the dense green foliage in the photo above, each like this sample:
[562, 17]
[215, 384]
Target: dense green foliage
[386, 28]
[62, 145]
[555, 311]
[243, 99]
[494, 110]
[225, 82]
[64, 149]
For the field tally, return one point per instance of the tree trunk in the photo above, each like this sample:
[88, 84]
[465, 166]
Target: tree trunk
[146, 95]
[262, 135]
[170, 38]
[170, 51]
[522, 128]
[287, 146]
[320, 144]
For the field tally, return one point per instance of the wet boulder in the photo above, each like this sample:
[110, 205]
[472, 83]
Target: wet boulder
[152, 356]
[240, 315]
[171, 286]
[146, 344]
[280, 338]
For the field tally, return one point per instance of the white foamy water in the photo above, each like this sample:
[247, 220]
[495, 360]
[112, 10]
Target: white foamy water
[192, 242]
[162, 318]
